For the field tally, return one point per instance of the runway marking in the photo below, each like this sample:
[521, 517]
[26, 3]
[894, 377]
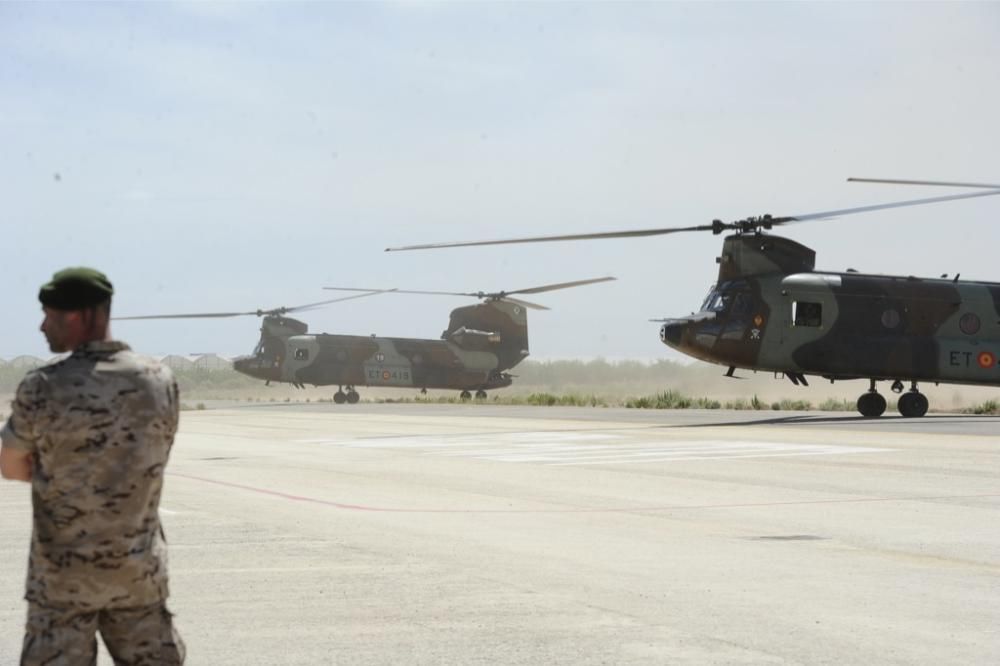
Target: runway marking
[588, 448]
[629, 509]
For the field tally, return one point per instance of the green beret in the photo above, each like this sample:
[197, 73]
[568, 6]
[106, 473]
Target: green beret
[76, 288]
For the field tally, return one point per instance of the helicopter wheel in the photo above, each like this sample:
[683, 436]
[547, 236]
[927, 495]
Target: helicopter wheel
[352, 396]
[871, 405]
[465, 395]
[913, 404]
[480, 395]
[340, 397]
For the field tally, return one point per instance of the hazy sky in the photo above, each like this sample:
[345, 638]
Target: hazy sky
[220, 156]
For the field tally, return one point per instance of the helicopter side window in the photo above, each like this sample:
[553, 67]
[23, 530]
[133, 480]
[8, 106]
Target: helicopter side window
[805, 313]
[301, 354]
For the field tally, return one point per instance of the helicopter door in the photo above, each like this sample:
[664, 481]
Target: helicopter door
[810, 308]
[300, 353]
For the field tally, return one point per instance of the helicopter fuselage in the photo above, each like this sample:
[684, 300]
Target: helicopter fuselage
[840, 325]
[353, 360]
[481, 342]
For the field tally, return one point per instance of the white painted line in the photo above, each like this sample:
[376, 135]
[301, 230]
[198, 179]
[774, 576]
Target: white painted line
[722, 457]
[686, 451]
[526, 449]
[562, 448]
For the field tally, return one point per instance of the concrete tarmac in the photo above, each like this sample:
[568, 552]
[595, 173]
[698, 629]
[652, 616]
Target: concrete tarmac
[450, 534]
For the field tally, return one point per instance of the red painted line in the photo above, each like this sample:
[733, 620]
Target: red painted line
[633, 509]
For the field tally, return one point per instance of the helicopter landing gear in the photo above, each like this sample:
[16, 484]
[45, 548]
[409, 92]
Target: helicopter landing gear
[351, 397]
[465, 395]
[480, 394]
[912, 404]
[871, 404]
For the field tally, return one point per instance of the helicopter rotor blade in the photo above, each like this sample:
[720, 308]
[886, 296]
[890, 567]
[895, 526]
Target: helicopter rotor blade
[496, 294]
[717, 226]
[541, 239]
[526, 304]
[896, 204]
[258, 313]
[561, 285]
[411, 291]
[310, 306]
[197, 315]
[932, 183]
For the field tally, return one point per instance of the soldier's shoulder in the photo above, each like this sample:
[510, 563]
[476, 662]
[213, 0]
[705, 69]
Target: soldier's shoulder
[148, 364]
[35, 380]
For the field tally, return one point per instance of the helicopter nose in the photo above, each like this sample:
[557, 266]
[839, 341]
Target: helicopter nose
[670, 333]
[243, 364]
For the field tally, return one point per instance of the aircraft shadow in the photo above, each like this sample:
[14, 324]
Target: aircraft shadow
[806, 419]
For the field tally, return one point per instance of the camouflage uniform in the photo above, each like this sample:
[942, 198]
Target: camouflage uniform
[99, 425]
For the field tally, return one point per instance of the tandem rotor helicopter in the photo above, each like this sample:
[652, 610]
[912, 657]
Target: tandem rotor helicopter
[770, 310]
[481, 343]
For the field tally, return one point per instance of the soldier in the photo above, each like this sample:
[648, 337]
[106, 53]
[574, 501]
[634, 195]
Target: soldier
[92, 434]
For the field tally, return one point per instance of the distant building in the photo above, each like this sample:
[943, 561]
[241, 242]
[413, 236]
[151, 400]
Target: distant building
[26, 362]
[212, 362]
[196, 362]
[177, 362]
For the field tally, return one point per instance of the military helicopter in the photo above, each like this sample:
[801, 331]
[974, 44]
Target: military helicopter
[770, 310]
[481, 343]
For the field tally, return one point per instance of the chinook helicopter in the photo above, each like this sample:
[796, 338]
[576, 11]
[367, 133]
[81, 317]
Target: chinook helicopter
[770, 310]
[481, 343]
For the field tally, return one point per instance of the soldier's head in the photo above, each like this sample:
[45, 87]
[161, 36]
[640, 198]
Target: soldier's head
[77, 306]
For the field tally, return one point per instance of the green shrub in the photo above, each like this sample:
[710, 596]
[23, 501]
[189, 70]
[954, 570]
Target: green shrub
[795, 405]
[988, 407]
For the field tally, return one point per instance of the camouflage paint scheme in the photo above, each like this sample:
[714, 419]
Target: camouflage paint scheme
[481, 342]
[771, 311]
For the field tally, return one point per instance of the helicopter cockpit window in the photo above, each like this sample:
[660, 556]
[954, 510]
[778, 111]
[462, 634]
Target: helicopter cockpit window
[717, 302]
[301, 354]
[736, 303]
[708, 299]
[805, 313]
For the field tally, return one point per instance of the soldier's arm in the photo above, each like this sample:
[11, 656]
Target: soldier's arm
[19, 435]
[15, 464]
